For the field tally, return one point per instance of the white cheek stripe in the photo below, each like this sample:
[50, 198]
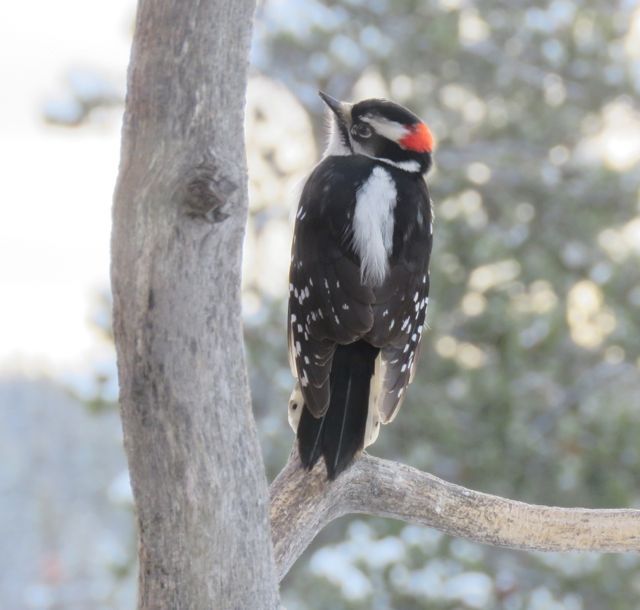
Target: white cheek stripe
[388, 129]
[411, 166]
[336, 147]
[373, 225]
[408, 166]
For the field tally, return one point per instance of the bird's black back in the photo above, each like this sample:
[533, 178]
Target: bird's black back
[337, 325]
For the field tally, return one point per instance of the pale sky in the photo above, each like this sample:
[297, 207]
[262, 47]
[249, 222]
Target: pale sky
[56, 183]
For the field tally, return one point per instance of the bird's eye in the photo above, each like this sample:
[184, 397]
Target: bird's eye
[361, 130]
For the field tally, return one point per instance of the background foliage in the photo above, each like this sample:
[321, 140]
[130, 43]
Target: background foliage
[528, 383]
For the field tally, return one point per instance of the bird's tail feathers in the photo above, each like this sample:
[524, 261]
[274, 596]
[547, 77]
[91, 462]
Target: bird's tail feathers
[339, 434]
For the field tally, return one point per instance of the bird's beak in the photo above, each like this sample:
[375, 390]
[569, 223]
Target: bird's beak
[342, 110]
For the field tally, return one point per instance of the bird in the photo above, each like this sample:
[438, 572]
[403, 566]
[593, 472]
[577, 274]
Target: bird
[359, 279]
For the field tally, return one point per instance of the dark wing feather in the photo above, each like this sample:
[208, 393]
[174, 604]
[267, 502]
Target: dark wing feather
[400, 355]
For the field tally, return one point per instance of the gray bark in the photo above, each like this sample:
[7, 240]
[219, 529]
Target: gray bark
[302, 503]
[178, 222]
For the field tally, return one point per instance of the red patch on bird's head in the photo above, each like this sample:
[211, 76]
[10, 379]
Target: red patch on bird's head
[419, 139]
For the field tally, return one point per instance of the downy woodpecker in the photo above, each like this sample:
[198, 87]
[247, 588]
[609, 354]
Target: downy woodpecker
[359, 279]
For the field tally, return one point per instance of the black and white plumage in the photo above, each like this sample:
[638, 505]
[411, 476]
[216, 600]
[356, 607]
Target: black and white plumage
[359, 279]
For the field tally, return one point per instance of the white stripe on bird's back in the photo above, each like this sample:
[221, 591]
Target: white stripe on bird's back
[373, 225]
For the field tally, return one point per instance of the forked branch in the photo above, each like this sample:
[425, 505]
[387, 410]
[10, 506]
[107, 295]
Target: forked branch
[302, 503]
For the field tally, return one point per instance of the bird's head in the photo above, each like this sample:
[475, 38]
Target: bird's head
[380, 129]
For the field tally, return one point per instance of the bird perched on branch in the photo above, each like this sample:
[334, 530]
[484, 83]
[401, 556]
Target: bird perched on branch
[359, 279]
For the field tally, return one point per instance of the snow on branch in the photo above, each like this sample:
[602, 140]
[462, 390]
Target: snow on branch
[303, 503]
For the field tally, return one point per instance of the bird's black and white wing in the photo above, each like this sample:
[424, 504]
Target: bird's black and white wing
[401, 306]
[328, 305]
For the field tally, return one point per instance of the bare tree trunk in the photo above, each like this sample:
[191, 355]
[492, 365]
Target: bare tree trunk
[178, 223]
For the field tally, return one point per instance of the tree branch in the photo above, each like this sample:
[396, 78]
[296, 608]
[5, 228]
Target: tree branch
[302, 503]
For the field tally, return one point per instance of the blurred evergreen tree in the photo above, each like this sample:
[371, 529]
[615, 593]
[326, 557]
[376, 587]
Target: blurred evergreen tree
[528, 385]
